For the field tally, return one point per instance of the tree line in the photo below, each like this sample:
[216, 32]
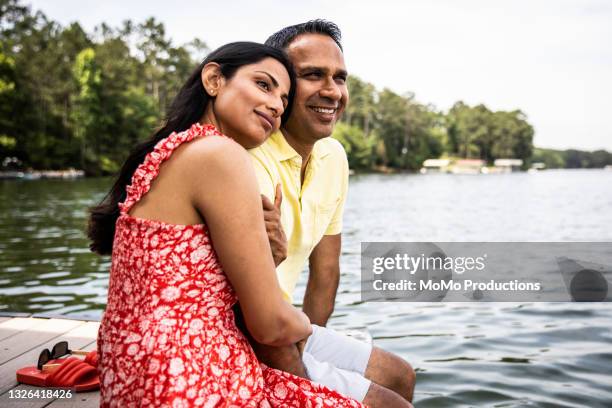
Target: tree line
[572, 158]
[385, 130]
[74, 99]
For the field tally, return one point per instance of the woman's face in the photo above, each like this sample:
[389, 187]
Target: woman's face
[248, 106]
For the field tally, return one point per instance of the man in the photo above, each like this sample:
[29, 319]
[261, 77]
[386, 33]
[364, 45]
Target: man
[312, 171]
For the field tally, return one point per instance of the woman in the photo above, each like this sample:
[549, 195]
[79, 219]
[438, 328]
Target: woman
[187, 238]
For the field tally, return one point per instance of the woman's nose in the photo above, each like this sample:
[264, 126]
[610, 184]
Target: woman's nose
[276, 107]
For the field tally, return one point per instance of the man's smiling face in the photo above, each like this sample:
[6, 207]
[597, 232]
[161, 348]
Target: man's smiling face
[321, 93]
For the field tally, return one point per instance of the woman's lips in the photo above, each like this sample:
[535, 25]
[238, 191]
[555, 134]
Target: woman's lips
[266, 120]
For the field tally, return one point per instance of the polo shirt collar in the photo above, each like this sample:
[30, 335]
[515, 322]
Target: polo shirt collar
[283, 149]
[286, 152]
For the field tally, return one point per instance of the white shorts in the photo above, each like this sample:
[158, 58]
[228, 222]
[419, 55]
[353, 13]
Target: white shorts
[337, 361]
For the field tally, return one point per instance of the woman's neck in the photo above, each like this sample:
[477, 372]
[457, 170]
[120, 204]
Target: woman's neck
[209, 118]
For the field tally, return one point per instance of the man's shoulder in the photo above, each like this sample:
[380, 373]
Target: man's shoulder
[266, 168]
[271, 152]
[332, 148]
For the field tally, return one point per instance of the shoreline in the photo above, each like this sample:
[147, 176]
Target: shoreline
[41, 174]
[69, 174]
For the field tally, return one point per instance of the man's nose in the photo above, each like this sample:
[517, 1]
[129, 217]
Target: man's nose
[331, 90]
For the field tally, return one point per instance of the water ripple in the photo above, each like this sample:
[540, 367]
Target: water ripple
[465, 354]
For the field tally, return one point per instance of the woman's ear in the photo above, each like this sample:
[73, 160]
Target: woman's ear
[212, 79]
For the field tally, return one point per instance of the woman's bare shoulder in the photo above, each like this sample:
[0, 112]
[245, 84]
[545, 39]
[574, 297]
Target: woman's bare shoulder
[204, 147]
[216, 154]
[216, 170]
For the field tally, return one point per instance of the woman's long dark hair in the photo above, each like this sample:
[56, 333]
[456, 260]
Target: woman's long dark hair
[187, 108]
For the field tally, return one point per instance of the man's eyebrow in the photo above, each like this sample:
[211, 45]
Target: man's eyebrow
[341, 72]
[312, 68]
[274, 81]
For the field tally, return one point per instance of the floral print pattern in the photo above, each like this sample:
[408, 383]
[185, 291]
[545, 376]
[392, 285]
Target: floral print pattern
[168, 336]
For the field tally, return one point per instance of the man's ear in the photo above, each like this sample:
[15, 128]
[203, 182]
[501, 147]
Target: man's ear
[212, 79]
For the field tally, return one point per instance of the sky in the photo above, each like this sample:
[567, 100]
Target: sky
[552, 59]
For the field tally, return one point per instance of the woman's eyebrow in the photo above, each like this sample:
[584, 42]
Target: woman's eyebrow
[274, 81]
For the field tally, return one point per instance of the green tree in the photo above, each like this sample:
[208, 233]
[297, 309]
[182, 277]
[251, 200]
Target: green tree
[69, 99]
[155, 48]
[392, 126]
[477, 132]
[86, 104]
[359, 147]
[8, 139]
[362, 108]
[553, 159]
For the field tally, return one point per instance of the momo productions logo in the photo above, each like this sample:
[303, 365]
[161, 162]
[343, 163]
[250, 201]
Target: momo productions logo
[486, 271]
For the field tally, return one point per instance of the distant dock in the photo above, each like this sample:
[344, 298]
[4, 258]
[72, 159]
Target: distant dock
[42, 174]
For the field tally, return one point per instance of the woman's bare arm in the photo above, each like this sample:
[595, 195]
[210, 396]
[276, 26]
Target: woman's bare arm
[224, 190]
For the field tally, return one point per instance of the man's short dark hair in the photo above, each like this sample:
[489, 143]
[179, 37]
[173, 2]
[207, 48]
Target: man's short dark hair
[282, 38]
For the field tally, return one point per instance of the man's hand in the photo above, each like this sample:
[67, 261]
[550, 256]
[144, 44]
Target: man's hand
[272, 218]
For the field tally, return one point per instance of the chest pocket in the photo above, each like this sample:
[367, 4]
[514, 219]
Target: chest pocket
[323, 216]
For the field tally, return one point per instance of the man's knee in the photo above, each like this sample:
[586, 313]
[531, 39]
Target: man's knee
[409, 377]
[392, 372]
[379, 396]
[403, 378]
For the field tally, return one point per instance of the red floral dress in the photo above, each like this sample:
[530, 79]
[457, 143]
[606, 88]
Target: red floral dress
[168, 336]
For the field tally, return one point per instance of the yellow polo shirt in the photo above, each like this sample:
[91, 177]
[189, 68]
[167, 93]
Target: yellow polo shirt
[309, 210]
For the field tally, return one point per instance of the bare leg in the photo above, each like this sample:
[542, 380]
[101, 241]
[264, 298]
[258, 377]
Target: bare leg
[381, 397]
[391, 372]
[286, 358]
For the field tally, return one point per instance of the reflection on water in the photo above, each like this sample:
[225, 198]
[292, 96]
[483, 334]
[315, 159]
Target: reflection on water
[489, 355]
[45, 263]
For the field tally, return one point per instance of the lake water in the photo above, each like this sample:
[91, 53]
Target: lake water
[466, 354]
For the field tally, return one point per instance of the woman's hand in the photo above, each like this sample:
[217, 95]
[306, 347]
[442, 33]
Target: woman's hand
[274, 228]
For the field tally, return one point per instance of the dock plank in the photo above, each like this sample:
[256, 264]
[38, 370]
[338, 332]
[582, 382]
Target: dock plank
[8, 400]
[16, 325]
[86, 399]
[81, 400]
[82, 335]
[43, 331]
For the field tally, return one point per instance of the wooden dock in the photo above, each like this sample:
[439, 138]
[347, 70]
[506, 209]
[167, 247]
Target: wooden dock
[21, 341]
[23, 337]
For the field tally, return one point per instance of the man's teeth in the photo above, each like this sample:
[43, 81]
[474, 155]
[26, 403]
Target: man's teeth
[323, 110]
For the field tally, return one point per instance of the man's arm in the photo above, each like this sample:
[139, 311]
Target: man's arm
[324, 260]
[323, 279]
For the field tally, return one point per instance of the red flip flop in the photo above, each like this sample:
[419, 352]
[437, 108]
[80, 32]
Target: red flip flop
[71, 373]
[91, 358]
